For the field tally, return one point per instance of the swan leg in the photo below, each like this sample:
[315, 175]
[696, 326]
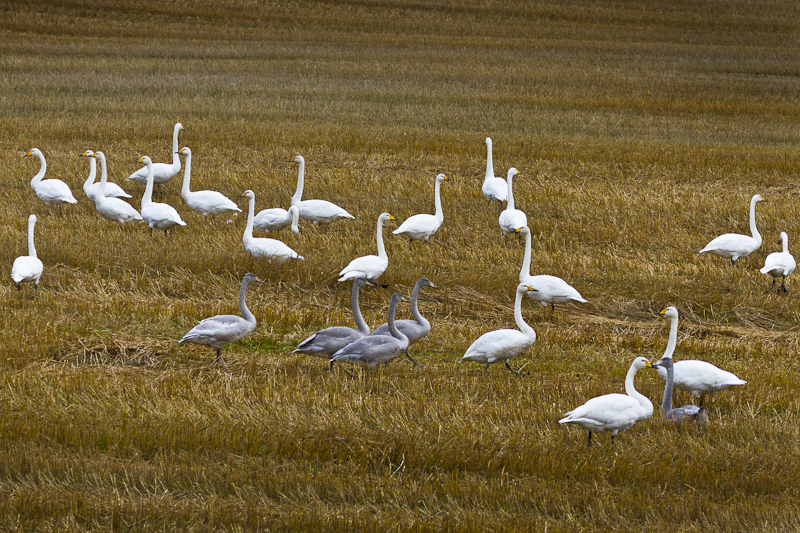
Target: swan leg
[219, 357]
[508, 366]
[332, 361]
[486, 369]
[783, 284]
[411, 359]
[18, 287]
[589, 440]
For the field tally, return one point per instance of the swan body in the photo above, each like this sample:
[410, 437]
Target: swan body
[503, 344]
[162, 172]
[494, 188]
[314, 210]
[780, 264]
[613, 412]
[733, 245]
[109, 207]
[511, 219]
[548, 289]
[204, 202]
[157, 214]
[691, 375]
[90, 188]
[423, 226]
[276, 219]
[28, 267]
[219, 330]
[262, 247]
[52, 191]
[328, 341]
[686, 413]
[415, 329]
[369, 266]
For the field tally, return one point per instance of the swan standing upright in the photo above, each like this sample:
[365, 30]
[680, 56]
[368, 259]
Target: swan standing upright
[157, 214]
[90, 188]
[494, 188]
[314, 210]
[734, 245]
[415, 329]
[548, 289]
[511, 219]
[503, 344]
[204, 202]
[276, 219]
[28, 267]
[261, 246]
[369, 266]
[780, 264]
[109, 207]
[52, 191]
[423, 226]
[687, 413]
[613, 412]
[162, 172]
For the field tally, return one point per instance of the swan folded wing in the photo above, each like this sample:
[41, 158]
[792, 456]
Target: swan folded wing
[695, 376]
[367, 266]
[210, 202]
[112, 191]
[779, 264]
[218, 330]
[271, 248]
[369, 351]
[418, 226]
[161, 215]
[54, 191]
[551, 289]
[498, 345]
[26, 268]
[732, 246]
[321, 211]
[117, 210]
[610, 412]
[328, 341]
[162, 172]
[410, 328]
[274, 219]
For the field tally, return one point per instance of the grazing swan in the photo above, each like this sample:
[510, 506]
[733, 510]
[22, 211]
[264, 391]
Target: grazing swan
[734, 245]
[369, 266]
[494, 188]
[415, 329]
[28, 267]
[697, 377]
[687, 413]
[328, 341]
[613, 412]
[548, 289]
[109, 207]
[156, 214]
[780, 264]
[423, 226]
[219, 330]
[261, 246]
[511, 219]
[90, 188]
[314, 210]
[205, 202]
[373, 350]
[52, 191]
[276, 219]
[162, 172]
[503, 344]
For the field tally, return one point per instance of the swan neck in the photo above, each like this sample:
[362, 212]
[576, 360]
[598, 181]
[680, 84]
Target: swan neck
[176, 157]
[379, 240]
[666, 404]
[360, 323]
[631, 390]
[295, 214]
[147, 197]
[753, 230]
[785, 240]
[521, 324]
[187, 176]
[248, 230]
[673, 338]
[396, 333]
[92, 172]
[103, 178]
[31, 247]
[298, 193]
[246, 314]
[510, 204]
[42, 169]
[415, 309]
[525, 271]
[489, 162]
[438, 201]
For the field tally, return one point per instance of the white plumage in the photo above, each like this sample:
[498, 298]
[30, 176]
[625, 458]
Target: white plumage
[423, 226]
[90, 188]
[109, 207]
[204, 202]
[780, 264]
[157, 214]
[548, 289]
[369, 266]
[511, 219]
[260, 246]
[734, 245]
[162, 172]
[28, 267]
[314, 210]
[494, 188]
[52, 191]
[276, 219]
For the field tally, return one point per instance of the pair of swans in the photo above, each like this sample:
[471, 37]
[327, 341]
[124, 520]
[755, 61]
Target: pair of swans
[734, 245]
[51, 191]
[780, 264]
[369, 266]
[162, 172]
[90, 188]
[157, 214]
[260, 246]
[547, 289]
[110, 207]
[203, 202]
[28, 267]
[494, 188]
[511, 219]
[423, 226]
[315, 211]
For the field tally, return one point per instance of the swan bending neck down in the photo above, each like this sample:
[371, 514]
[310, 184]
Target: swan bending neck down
[733, 245]
[424, 225]
[51, 191]
[28, 267]
[549, 289]
[780, 264]
[369, 266]
[272, 249]
[511, 219]
[109, 207]
[687, 413]
[162, 172]
[314, 210]
[613, 412]
[156, 214]
[494, 188]
[205, 202]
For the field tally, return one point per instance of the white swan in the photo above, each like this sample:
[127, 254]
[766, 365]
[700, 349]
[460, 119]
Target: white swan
[109, 207]
[263, 247]
[219, 330]
[686, 413]
[162, 172]
[780, 264]
[494, 188]
[613, 412]
[28, 267]
[697, 377]
[548, 289]
[503, 344]
[511, 219]
[90, 188]
[314, 210]
[276, 219]
[157, 214]
[415, 329]
[369, 266]
[734, 245]
[423, 226]
[52, 191]
[204, 202]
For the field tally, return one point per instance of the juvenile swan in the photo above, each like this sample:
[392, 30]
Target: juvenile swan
[415, 329]
[687, 413]
[423, 226]
[780, 264]
[28, 267]
[734, 245]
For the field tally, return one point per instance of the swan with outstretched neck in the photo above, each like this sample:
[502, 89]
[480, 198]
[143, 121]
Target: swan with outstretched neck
[780, 264]
[511, 219]
[734, 245]
[423, 226]
[162, 172]
[369, 266]
[494, 188]
[549, 289]
[156, 214]
[204, 202]
[109, 207]
[415, 329]
[90, 188]
[28, 267]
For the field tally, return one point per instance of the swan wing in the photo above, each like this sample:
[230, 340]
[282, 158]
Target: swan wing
[732, 246]
[551, 289]
[698, 377]
[326, 342]
[158, 215]
[162, 173]
[497, 345]
[274, 219]
[116, 209]
[779, 264]
[219, 330]
[495, 189]
[418, 226]
[371, 350]
[367, 266]
[321, 211]
[54, 191]
[410, 328]
[610, 412]
[270, 248]
[210, 202]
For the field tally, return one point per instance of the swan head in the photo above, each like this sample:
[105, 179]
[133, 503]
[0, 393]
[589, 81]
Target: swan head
[298, 159]
[669, 312]
[441, 177]
[525, 288]
[87, 153]
[360, 282]
[784, 237]
[664, 362]
[33, 151]
[524, 230]
[757, 198]
[99, 155]
[250, 195]
[397, 298]
[185, 151]
[146, 160]
[641, 362]
[178, 127]
[32, 219]
[512, 172]
[385, 216]
[425, 282]
[488, 141]
[251, 278]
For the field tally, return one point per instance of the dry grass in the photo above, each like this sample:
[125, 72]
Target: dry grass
[641, 131]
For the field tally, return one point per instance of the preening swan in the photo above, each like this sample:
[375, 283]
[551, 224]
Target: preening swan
[90, 188]
[217, 331]
[157, 214]
[511, 219]
[780, 264]
[734, 245]
[162, 172]
[369, 266]
[415, 329]
[204, 202]
[503, 344]
[28, 267]
[494, 188]
[423, 226]
[548, 289]
[52, 191]
[613, 412]
[276, 219]
[328, 341]
[687, 413]
[109, 207]
[314, 210]
[697, 377]
[375, 349]
[260, 246]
